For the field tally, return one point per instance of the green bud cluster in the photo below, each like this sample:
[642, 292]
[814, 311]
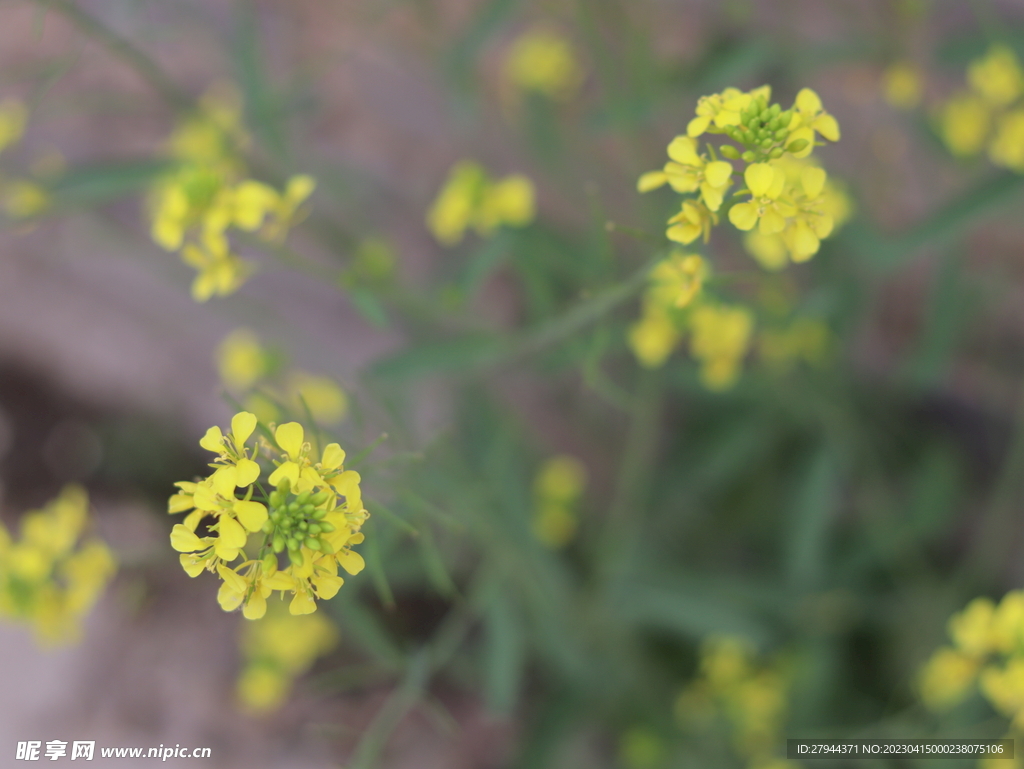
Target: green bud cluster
[296, 521]
[763, 131]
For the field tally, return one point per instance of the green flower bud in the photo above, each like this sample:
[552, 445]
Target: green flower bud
[776, 153]
[314, 529]
[269, 564]
[303, 498]
[293, 543]
[766, 143]
[295, 556]
[728, 151]
[326, 527]
[798, 146]
[284, 488]
[312, 543]
[776, 109]
[749, 156]
[318, 499]
[325, 546]
[318, 515]
[303, 526]
[268, 526]
[293, 508]
[278, 543]
[275, 516]
[781, 135]
[786, 118]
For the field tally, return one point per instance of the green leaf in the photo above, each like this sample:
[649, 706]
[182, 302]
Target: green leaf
[93, 185]
[504, 653]
[812, 512]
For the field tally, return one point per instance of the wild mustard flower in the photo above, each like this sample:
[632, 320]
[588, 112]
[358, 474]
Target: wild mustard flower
[720, 340]
[52, 575]
[556, 490]
[901, 85]
[675, 283]
[543, 61]
[988, 650]
[769, 138]
[327, 403]
[13, 117]
[313, 516]
[991, 114]
[470, 198]
[194, 207]
[749, 694]
[276, 651]
[241, 360]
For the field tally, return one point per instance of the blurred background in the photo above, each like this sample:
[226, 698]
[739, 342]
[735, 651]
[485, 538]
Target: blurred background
[571, 557]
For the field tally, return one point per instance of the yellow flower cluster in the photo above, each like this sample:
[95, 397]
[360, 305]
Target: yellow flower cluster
[987, 649]
[901, 85]
[675, 303]
[556, 490]
[786, 198]
[750, 696]
[21, 198]
[313, 515]
[196, 204]
[243, 363]
[804, 339]
[543, 61]
[276, 651]
[991, 113]
[470, 198]
[51, 577]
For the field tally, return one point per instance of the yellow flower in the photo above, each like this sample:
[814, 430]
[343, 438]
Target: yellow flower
[24, 199]
[470, 199]
[765, 185]
[542, 60]
[321, 395]
[901, 85]
[810, 117]
[997, 77]
[720, 338]
[276, 651]
[1007, 147]
[687, 172]
[220, 274]
[1008, 623]
[717, 111]
[964, 123]
[557, 487]
[946, 678]
[653, 338]
[50, 577]
[241, 360]
[677, 280]
[693, 221]
[1004, 688]
[13, 116]
[971, 629]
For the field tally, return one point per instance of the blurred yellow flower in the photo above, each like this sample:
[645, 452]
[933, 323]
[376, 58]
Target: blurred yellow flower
[964, 123]
[946, 678]
[276, 650]
[557, 488]
[652, 338]
[901, 85]
[470, 199]
[13, 116]
[543, 60]
[326, 401]
[720, 339]
[997, 76]
[241, 360]
[1007, 146]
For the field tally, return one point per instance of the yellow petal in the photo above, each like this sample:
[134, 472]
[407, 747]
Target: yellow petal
[184, 540]
[252, 515]
[698, 125]
[651, 181]
[813, 180]
[718, 173]
[743, 216]
[711, 196]
[247, 472]
[827, 126]
[807, 134]
[288, 470]
[803, 243]
[759, 178]
[299, 188]
[279, 581]
[255, 607]
[683, 233]
[192, 565]
[229, 598]
[289, 437]
[351, 561]
[683, 149]
[808, 101]
[327, 585]
[179, 503]
[302, 603]
[213, 440]
[347, 484]
[333, 457]
[205, 498]
[771, 222]
[231, 534]
[233, 578]
[224, 480]
[242, 425]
